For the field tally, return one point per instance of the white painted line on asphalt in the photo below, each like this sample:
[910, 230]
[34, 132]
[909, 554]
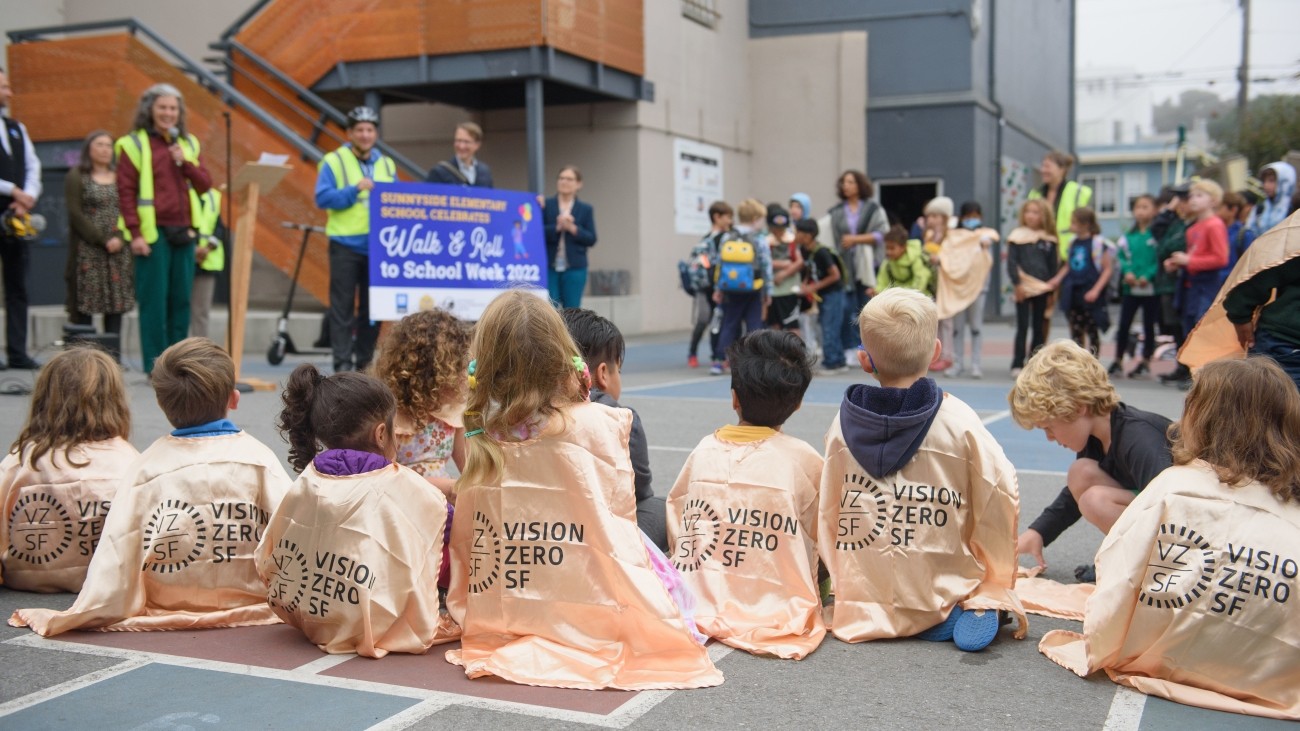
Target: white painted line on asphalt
[1125, 710]
[410, 716]
[55, 691]
[321, 664]
[620, 718]
[1046, 473]
[672, 449]
[999, 416]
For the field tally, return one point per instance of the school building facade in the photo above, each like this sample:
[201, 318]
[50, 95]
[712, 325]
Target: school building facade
[663, 105]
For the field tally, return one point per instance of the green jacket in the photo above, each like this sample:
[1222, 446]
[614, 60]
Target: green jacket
[1175, 239]
[1281, 317]
[909, 271]
[1137, 256]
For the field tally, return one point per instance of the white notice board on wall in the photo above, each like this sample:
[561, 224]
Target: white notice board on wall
[697, 182]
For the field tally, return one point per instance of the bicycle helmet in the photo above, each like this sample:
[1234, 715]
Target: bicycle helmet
[362, 114]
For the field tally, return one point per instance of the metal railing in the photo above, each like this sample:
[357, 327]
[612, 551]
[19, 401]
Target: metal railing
[229, 95]
[326, 110]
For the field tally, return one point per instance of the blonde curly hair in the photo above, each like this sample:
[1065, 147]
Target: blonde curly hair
[1060, 379]
[423, 361]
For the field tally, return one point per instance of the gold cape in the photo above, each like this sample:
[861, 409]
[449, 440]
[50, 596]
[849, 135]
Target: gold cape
[54, 513]
[1214, 336]
[964, 267]
[742, 522]
[1194, 583]
[1051, 598]
[353, 561]
[551, 583]
[941, 531]
[177, 547]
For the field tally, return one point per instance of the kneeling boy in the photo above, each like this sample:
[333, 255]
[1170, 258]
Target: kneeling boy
[177, 547]
[918, 502]
[743, 515]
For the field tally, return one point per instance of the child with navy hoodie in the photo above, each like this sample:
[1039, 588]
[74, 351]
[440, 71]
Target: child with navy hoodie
[918, 504]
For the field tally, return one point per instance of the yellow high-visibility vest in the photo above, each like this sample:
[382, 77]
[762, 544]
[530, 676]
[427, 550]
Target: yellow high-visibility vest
[343, 163]
[136, 148]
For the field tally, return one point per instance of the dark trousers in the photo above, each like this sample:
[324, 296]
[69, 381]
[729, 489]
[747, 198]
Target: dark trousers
[162, 292]
[1128, 307]
[855, 298]
[739, 309]
[1031, 312]
[15, 258]
[1286, 354]
[350, 282]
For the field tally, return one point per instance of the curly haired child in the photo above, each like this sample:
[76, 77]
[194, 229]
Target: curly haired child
[60, 474]
[552, 582]
[422, 361]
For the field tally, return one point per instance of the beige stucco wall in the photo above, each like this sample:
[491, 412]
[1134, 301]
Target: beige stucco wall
[788, 113]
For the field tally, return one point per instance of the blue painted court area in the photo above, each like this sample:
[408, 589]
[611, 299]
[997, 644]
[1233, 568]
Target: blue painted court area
[171, 697]
[1162, 715]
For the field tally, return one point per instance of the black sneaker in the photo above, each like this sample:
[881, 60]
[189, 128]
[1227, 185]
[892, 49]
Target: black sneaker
[1179, 374]
[1115, 369]
[1141, 370]
[24, 363]
[1086, 573]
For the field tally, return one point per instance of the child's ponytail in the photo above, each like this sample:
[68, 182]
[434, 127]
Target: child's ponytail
[294, 421]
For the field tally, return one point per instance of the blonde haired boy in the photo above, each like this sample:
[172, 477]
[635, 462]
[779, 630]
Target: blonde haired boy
[1065, 391]
[177, 547]
[918, 504]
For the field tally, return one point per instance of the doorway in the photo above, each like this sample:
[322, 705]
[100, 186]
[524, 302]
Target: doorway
[905, 198]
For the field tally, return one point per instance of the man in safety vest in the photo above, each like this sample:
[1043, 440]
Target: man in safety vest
[347, 175]
[210, 259]
[159, 178]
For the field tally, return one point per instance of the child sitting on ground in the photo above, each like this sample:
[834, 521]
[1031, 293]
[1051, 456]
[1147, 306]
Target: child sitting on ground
[905, 264]
[422, 361]
[743, 513]
[1193, 582]
[603, 348]
[918, 503]
[552, 582]
[58, 480]
[373, 524]
[177, 547]
[1064, 391]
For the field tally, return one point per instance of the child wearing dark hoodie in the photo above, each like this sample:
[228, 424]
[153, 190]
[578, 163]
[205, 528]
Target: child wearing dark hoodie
[918, 503]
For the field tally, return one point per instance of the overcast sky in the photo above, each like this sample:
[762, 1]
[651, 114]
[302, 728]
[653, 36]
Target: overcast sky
[1199, 39]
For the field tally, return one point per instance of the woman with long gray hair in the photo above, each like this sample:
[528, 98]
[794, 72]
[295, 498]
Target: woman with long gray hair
[159, 179]
[99, 271]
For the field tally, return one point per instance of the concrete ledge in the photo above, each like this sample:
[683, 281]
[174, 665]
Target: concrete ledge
[45, 324]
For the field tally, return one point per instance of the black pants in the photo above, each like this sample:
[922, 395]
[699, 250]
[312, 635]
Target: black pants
[1129, 307]
[350, 282]
[1030, 312]
[15, 258]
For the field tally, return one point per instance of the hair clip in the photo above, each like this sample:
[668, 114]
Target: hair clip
[473, 433]
[473, 366]
[579, 364]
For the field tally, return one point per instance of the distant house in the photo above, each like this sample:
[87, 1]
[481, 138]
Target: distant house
[1119, 173]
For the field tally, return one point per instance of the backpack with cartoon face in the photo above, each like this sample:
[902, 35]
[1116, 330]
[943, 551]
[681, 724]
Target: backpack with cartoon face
[739, 268]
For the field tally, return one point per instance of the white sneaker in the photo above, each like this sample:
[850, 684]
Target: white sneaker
[976, 373]
[953, 372]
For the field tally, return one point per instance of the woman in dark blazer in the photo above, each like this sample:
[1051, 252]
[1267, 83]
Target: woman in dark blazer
[572, 223]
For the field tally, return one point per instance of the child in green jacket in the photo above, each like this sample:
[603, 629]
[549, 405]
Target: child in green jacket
[1137, 266]
[905, 264]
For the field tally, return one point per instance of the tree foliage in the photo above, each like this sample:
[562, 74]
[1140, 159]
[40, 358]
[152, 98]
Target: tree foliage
[1272, 128]
[1192, 105]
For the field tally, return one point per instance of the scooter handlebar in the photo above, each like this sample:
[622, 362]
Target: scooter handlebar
[303, 227]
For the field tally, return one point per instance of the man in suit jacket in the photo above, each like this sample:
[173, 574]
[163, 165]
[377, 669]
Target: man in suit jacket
[20, 187]
[464, 168]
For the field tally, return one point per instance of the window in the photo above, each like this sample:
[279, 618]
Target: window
[704, 12]
[1135, 184]
[1105, 193]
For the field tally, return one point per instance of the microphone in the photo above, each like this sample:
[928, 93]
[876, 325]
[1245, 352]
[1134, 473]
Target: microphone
[173, 134]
